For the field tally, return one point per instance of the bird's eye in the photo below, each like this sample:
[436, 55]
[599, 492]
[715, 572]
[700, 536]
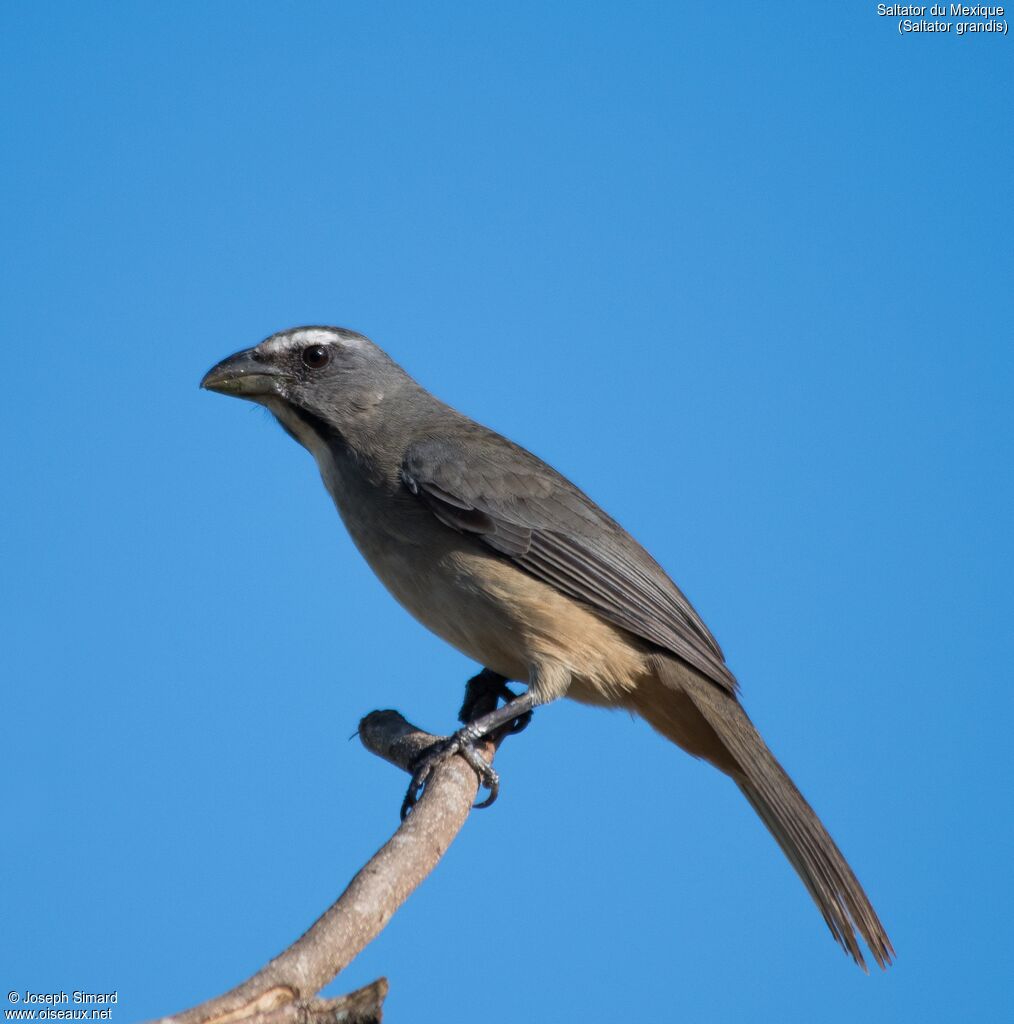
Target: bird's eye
[316, 356]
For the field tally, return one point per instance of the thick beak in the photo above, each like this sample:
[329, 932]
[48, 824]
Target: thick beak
[243, 375]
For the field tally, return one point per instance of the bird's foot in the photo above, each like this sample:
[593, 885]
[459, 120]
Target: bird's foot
[483, 720]
[463, 742]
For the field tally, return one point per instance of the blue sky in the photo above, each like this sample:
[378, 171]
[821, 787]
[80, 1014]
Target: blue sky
[743, 272]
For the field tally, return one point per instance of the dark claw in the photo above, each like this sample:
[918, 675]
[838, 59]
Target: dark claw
[492, 783]
[485, 771]
[414, 791]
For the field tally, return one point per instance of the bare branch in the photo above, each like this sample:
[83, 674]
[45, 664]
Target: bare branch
[284, 989]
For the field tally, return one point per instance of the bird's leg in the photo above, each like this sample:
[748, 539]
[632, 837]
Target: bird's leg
[481, 695]
[464, 741]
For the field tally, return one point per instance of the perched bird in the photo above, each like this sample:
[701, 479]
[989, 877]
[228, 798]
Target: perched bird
[509, 562]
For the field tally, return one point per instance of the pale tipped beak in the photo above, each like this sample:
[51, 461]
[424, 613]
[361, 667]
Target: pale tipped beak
[244, 375]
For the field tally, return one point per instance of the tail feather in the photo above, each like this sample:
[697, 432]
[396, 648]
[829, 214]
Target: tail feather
[790, 819]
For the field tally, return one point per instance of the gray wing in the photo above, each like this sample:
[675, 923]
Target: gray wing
[483, 484]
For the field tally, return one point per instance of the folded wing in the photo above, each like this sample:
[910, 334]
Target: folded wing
[520, 507]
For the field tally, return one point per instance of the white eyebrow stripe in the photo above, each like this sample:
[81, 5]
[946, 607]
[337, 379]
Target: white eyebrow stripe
[304, 336]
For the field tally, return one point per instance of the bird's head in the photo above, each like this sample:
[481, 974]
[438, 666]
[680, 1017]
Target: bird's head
[316, 380]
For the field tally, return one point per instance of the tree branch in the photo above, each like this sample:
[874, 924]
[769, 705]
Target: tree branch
[284, 989]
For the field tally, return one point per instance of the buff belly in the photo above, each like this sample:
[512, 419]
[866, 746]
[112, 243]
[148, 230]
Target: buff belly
[511, 622]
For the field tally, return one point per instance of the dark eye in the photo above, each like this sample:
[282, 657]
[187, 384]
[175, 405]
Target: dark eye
[316, 356]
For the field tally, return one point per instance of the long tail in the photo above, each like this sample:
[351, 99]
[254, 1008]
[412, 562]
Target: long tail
[736, 747]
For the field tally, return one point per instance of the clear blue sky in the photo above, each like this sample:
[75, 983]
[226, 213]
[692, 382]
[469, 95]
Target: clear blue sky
[743, 271]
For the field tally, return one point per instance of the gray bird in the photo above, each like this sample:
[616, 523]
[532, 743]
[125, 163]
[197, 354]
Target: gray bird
[509, 562]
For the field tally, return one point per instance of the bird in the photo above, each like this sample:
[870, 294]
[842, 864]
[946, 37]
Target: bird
[503, 557]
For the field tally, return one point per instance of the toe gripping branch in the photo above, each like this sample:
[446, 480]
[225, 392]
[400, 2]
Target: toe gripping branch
[483, 720]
